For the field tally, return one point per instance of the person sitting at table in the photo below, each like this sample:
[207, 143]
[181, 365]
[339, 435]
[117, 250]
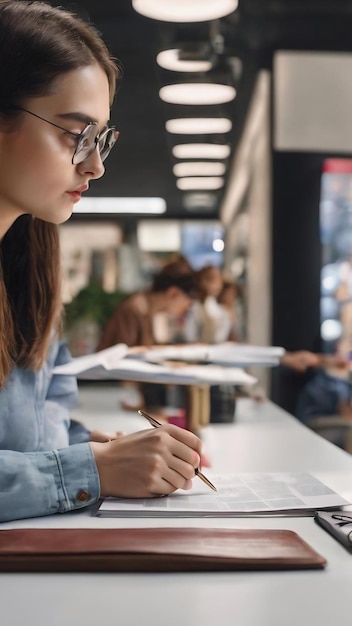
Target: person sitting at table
[208, 321]
[145, 318]
[230, 298]
[309, 384]
[57, 81]
[172, 292]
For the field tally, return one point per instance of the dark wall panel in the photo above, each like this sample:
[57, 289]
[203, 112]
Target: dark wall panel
[296, 263]
[296, 250]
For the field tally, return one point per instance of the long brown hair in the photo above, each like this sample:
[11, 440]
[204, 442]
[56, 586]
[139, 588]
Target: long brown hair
[38, 43]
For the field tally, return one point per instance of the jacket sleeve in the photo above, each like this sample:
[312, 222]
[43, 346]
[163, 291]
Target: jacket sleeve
[62, 389]
[42, 483]
[78, 433]
[62, 393]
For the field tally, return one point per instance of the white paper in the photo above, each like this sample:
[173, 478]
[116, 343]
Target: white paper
[228, 353]
[110, 364]
[237, 494]
[104, 359]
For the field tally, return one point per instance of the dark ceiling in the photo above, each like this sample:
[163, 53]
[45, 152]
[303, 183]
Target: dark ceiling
[141, 163]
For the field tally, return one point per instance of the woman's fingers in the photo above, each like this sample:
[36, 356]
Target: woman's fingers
[172, 481]
[148, 462]
[184, 469]
[184, 436]
[103, 437]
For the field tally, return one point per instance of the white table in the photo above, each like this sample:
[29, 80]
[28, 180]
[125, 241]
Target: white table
[263, 438]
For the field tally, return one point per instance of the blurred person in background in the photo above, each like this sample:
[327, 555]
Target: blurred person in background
[142, 319]
[310, 385]
[133, 322]
[208, 321]
[230, 298]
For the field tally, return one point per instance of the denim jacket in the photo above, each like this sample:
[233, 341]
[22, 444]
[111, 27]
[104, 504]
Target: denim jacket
[46, 463]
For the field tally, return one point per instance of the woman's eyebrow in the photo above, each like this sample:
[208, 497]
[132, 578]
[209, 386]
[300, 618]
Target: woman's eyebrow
[76, 116]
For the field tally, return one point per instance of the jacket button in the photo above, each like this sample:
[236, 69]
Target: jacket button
[83, 496]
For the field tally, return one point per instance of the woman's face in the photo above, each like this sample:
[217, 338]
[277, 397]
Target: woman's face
[36, 171]
[212, 281]
[177, 302]
[229, 295]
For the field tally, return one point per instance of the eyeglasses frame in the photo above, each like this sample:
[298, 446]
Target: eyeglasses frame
[78, 136]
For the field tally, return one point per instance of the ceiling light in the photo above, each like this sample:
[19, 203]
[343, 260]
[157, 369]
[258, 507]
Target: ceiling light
[201, 182]
[185, 10]
[198, 125]
[331, 330]
[201, 151]
[199, 168]
[170, 60]
[199, 201]
[121, 205]
[197, 93]
[218, 245]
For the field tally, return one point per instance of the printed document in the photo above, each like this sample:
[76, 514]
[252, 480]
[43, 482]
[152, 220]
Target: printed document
[237, 494]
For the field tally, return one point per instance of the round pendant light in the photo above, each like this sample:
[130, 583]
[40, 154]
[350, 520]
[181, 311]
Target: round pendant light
[197, 93]
[201, 182]
[185, 10]
[201, 151]
[199, 168]
[170, 60]
[198, 125]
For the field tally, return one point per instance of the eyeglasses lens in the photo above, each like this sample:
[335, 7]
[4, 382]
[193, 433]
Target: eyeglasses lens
[106, 142]
[89, 140]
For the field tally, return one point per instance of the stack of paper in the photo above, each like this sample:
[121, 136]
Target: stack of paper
[226, 354]
[237, 494]
[111, 364]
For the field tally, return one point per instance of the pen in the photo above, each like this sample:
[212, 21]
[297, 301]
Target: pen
[197, 471]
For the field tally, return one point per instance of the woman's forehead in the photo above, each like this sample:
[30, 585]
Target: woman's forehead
[85, 90]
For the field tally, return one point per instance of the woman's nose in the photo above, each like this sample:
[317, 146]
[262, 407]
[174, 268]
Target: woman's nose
[92, 166]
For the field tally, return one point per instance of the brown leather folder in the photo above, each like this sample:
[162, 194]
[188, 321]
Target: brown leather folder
[153, 550]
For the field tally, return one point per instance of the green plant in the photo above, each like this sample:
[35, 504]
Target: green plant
[92, 303]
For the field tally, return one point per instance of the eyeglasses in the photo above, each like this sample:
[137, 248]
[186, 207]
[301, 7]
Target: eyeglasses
[87, 140]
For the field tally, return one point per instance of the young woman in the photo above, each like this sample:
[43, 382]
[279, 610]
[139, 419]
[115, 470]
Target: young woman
[57, 82]
[134, 319]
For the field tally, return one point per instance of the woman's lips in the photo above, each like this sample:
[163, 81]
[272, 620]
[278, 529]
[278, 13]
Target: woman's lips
[75, 195]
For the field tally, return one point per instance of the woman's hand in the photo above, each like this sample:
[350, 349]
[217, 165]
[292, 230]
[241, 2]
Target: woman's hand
[334, 361]
[103, 436]
[300, 360]
[147, 463]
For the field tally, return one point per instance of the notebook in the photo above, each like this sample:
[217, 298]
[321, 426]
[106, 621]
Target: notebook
[153, 550]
